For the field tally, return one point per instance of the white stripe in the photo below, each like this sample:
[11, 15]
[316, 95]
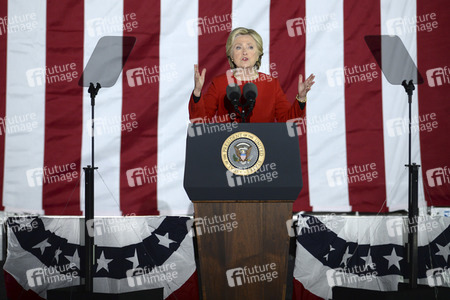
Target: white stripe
[255, 15]
[327, 153]
[395, 107]
[108, 107]
[25, 99]
[363, 229]
[179, 31]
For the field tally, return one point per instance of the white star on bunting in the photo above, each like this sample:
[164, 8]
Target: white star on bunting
[444, 251]
[302, 223]
[164, 240]
[102, 262]
[75, 258]
[42, 245]
[367, 259]
[331, 249]
[393, 259]
[134, 259]
[57, 253]
[347, 255]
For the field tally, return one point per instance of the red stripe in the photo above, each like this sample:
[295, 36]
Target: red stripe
[63, 107]
[211, 43]
[140, 107]
[433, 52]
[283, 38]
[3, 50]
[300, 293]
[14, 291]
[363, 108]
[188, 291]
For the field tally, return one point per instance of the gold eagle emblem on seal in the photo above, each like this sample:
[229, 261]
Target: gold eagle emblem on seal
[243, 153]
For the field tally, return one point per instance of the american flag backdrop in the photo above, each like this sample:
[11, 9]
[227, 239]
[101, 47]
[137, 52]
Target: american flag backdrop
[353, 145]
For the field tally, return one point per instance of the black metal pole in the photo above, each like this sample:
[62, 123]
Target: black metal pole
[89, 239]
[412, 239]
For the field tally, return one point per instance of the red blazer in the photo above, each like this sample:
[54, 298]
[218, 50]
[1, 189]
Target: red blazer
[271, 104]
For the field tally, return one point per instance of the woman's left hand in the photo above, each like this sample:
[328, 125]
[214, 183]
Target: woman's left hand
[304, 87]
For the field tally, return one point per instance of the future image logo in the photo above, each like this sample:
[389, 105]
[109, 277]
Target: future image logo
[438, 176]
[438, 76]
[151, 275]
[210, 225]
[438, 276]
[412, 24]
[151, 175]
[337, 177]
[209, 25]
[247, 275]
[46, 275]
[315, 23]
[351, 276]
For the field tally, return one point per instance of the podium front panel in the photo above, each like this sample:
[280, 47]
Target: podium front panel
[278, 176]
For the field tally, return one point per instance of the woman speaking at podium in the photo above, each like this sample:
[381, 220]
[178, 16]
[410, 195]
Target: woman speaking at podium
[244, 50]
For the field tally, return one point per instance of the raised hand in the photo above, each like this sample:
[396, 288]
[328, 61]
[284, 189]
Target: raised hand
[199, 80]
[304, 87]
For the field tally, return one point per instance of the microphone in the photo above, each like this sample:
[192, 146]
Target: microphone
[234, 94]
[250, 94]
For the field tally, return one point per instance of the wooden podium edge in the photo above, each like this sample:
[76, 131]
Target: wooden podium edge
[261, 238]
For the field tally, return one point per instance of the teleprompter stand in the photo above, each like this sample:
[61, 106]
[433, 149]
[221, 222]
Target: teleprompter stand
[103, 68]
[89, 250]
[399, 69]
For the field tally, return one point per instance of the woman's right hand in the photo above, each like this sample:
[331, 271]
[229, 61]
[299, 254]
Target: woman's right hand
[199, 81]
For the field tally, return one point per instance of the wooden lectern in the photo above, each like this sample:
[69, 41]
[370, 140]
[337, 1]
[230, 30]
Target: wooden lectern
[240, 220]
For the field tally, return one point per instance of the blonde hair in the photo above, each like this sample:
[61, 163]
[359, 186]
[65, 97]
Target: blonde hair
[244, 31]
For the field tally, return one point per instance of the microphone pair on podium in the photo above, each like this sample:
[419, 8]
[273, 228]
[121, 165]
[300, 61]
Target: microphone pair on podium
[250, 93]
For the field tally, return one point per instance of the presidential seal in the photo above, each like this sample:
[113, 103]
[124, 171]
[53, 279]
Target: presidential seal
[243, 153]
